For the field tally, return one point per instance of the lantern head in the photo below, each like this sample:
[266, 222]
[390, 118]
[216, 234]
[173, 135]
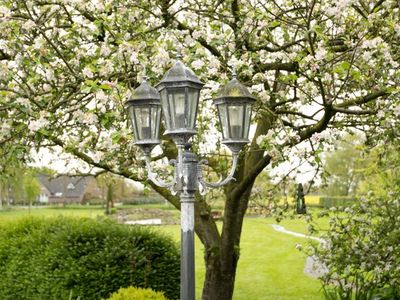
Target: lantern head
[144, 110]
[180, 90]
[234, 109]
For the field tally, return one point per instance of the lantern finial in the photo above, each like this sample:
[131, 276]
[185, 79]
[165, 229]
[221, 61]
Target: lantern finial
[234, 75]
[179, 55]
[145, 77]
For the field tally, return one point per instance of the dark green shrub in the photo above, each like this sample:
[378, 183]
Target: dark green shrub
[328, 202]
[51, 258]
[133, 293]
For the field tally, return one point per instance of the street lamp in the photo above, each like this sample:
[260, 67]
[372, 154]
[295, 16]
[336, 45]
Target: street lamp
[178, 98]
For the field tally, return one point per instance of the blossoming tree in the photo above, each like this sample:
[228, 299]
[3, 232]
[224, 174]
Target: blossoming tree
[67, 66]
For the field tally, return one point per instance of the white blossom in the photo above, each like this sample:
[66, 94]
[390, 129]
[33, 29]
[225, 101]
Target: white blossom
[320, 54]
[161, 58]
[260, 139]
[87, 72]
[197, 34]
[328, 77]
[396, 110]
[101, 96]
[197, 64]
[98, 156]
[28, 25]
[264, 96]
[35, 125]
[133, 58]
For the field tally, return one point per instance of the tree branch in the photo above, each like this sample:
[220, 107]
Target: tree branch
[4, 56]
[289, 67]
[214, 51]
[363, 99]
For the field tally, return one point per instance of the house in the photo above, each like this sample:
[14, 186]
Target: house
[67, 189]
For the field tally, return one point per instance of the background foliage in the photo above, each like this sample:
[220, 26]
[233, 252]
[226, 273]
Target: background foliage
[51, 258]
[360, 248]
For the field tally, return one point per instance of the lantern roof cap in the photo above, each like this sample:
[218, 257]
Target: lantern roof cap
[145, 92]
[178, 73]
[234, 89]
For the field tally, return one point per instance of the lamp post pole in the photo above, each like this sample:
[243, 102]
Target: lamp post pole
[177, 97]
[187, 225]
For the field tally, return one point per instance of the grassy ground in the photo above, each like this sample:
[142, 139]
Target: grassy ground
[72, 211]
[269, 267]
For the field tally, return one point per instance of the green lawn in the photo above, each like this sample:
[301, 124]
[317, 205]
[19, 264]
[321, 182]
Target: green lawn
[73, 211]
[269, 267]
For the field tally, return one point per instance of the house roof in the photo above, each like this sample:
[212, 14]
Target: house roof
[64, 185]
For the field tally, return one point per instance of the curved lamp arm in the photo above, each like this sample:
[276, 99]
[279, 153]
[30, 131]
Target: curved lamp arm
[152, 176]
[220, 182]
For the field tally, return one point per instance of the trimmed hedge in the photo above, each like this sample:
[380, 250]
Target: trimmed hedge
[54, 258]
[137, 200]
[328, 202]
[133, 293]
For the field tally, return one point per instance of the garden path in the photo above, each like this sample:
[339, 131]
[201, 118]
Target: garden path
[313, 267]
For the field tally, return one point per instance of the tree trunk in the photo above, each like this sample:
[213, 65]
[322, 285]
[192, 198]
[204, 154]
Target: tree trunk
[109, 199]
[219, 281]
[221, 258]
[222, 253]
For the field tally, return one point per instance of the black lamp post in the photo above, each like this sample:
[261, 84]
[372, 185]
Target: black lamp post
[180, 90]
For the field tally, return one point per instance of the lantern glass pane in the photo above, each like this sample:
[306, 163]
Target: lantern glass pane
[193, 100]
[156, 118]
[247, 118]
[236, 121]
[180, 109]
[143, 122]
[165, 108]
[176, 98]
[131, 113]
[223, 118]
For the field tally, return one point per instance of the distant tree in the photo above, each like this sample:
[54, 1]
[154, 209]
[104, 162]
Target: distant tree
[31, 186]
[341, 167]
[299, 200]
[381, 175]
[356, 168]
[16, 190]
[113, 188]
